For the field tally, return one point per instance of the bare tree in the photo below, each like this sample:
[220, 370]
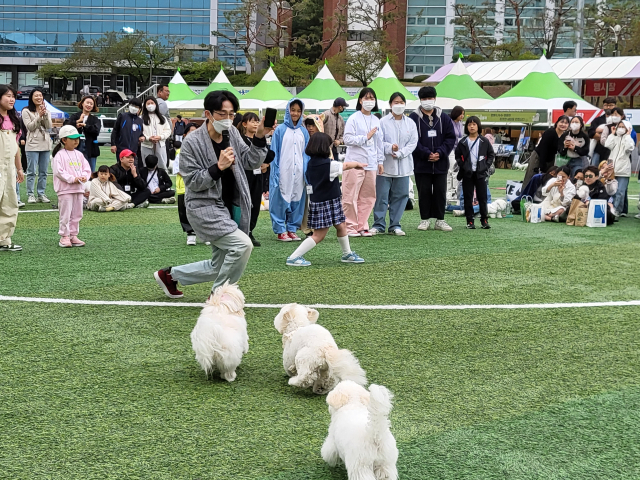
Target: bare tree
[364, 60]
[602, 17]
[518, 7]
[475, 33]
[545, 29]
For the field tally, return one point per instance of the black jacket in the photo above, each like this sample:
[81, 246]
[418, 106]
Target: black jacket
[486, 156]
[90, 131]
[127, 132]
[178, 128]
[600, 149]
[124, 178]
[164, 181]
[597, 191]
[442, 143]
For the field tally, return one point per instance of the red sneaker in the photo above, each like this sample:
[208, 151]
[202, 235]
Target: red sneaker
[294, 237]
[284, 237]
[167, 283]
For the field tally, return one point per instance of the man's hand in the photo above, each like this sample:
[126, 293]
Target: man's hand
[264, 131]
[434, 157]
[264, 167]
[114, 149]
[226, 159]
[157, 190]
[20, 176]
[141, 139]
[134, 171]
[336, 142]
[372, 133]
[380, 169]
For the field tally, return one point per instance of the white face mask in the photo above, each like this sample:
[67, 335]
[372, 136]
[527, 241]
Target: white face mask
[151, 108]
[222, 125]
[621, 131]
[615, 119]
[133, 109]
[398, 108]
[428, 104]
[575, 127]
[368, 105]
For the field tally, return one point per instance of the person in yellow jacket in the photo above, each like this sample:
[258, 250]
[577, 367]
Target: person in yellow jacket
[182, 210]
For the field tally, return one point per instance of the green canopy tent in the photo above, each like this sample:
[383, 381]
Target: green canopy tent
[385, 84]
[179, 91]
[321, 93]
[458, 88]
[269, 92]
[221, 82]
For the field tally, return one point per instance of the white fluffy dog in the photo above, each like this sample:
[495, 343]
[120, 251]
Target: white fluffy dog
[497, 207]
[359, 433]
[311, 357]
[220, 338]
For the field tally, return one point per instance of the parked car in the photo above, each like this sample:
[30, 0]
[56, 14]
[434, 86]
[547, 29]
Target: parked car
[108, 123]
[24, 92]
[115, 97]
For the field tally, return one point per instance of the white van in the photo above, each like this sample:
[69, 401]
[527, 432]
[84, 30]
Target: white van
[108, 123]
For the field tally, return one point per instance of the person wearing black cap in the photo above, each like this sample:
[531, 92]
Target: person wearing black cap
[436, 139]
[334, 124]
[127, 132]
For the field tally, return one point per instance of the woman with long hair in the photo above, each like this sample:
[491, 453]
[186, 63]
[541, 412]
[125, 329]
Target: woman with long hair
[545, 152]
[156, 130]
[37, 119]
[10, 168]
[89, 126]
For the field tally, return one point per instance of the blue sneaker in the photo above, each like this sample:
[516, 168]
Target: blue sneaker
[298, 262]
[352, 257]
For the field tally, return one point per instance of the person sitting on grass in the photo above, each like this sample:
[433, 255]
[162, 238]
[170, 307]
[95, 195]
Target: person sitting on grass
[325, 206]
[158, 182]
[129, 181]
[558, 193]
[104, 195]
[595, 189]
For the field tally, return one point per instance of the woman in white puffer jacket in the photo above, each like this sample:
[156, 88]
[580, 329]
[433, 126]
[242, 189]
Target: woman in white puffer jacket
[621, 145]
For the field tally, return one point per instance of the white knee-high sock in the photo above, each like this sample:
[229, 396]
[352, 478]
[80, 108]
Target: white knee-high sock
[304, 247]
[344, 244]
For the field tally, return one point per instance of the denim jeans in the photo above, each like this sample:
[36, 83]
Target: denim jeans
[392, 194]
[618, 198]
[39, 160]
[595, 160]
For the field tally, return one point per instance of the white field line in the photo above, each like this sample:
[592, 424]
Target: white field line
[525, 306]
[56, 210]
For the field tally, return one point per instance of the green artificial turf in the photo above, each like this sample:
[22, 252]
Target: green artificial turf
[97, 392]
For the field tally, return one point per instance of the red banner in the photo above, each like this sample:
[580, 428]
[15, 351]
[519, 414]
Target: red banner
[587, 115]
[620, 87]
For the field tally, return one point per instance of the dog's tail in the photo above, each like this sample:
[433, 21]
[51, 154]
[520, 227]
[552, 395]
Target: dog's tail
[206, 345]
[379, 408]
[345, 366]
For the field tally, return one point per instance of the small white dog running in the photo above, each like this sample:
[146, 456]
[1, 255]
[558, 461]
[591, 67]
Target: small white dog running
[359, 433]
[310, 355]
[220, 338]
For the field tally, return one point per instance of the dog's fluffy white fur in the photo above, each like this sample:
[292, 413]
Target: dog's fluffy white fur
[496, 207]
[359, 433]
[310, 355]
[220, 338]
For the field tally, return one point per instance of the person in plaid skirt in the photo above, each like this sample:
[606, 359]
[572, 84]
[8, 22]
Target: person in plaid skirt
[325, 202]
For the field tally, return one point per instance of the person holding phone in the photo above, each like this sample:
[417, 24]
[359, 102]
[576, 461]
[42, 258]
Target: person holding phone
[217, 197]
[558, 193]
[38, 146]
[574, 144]
[620, 145]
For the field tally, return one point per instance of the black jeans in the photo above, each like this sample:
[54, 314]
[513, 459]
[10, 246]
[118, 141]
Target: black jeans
[182, 214]
[255, 192]
[140, 196]
[157, 197]
[479, 183]
[432, 195]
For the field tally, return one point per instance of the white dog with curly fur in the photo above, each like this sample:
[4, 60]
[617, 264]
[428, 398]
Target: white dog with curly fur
[220, 338]
[359, 433]
[310, 355]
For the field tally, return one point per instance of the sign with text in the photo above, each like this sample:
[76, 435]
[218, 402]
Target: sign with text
[619, 87]
[509, 116]
[588, 116]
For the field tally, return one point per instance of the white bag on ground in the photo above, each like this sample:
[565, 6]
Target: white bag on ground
[513, 190]
[597, 216]
[537, 214]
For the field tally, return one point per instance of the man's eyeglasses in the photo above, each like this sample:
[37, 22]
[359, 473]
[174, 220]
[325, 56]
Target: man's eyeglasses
[230, 115]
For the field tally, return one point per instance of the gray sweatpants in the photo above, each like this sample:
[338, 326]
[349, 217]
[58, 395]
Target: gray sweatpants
[230, 257]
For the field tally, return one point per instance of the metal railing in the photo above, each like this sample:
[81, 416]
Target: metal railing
[153, 88]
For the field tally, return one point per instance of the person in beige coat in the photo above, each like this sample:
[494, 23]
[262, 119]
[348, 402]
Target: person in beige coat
[156, 129]
[37, 119]
[104, 195]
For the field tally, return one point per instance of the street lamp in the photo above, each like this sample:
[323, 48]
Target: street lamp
[151, 43]
[616, 33]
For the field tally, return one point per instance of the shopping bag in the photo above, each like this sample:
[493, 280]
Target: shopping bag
[561, 160]
[581, 215]
[537, 215]
[571, 217]
[513, 190]
[525, 202]
[597, 215]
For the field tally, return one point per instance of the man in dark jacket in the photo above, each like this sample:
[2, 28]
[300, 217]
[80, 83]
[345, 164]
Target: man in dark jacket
[127, 132]
[158, 182]
[601, 153]
[178, 128]
[128, 180]
[436, 138]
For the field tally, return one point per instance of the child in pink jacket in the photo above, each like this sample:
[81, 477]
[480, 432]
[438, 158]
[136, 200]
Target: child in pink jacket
[70, 171]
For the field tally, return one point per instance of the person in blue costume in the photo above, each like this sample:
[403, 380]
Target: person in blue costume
[287, 193]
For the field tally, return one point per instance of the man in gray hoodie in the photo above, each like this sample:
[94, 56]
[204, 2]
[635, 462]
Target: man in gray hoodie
[217, 197]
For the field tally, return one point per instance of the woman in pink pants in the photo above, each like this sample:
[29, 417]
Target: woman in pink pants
[363, 138]
[70, 171]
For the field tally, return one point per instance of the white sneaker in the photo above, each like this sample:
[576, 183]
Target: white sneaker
[366, 233]
[623, 215]
[398, 232]
[637, 216]
[32, 199]
[357, 234]
[129, 206]
[43, 199]
[169, 200]
[375, 231]
[20, 204]
[144, 204]
[101, 208]
[191, 239]
[442, 225]
[424, 225]
[458, 213]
